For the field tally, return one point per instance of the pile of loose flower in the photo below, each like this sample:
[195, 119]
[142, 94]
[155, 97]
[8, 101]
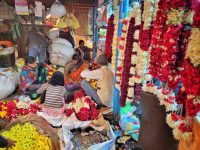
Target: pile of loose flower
[12, 109]
[27, 138]
[83, 107]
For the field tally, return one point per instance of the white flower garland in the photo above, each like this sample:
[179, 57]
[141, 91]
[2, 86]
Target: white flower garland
[114, 44]
[193, 49]
[166, 97]
[148, 13]
[155, 9]
[137, 14]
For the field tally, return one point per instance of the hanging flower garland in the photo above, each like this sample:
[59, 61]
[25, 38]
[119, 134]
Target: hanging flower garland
[158, 29]
[115, 38]
[174, 27]
[181, 130]
[145, 31]
[166, 97]
[193, 51]
[138, 60]
[121, 48]
[127, 63]
[109, 37]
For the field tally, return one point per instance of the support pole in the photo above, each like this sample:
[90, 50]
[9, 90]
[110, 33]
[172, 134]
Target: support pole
[95, 28]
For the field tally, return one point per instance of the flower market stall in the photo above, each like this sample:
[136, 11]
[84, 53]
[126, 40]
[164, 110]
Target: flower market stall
[157, 53]
[152, 49]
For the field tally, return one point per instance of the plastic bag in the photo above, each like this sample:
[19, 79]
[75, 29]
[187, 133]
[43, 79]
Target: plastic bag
[72, 123]
[68, 21]
[60, 52]
[57, 9]
[8, 84]
[62, 41]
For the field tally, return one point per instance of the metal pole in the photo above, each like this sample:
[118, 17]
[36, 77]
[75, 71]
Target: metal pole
[95, 28]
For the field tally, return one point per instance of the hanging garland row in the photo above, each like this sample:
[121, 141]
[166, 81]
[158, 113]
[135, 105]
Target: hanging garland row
[109, 38]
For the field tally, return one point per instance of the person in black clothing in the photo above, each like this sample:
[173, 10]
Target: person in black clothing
[84, 51]
[6, 142]
[65, 34]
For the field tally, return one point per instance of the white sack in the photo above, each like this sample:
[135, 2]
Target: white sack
[62, 41]
[8, 84]
[53, 33]
[57, 9]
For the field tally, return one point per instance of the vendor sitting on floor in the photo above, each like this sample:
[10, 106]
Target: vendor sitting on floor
[105, 83]
[32, 77]
[55, 94]
[74, 68]
[72, 75]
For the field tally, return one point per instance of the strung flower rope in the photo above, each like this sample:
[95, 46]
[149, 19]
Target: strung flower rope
[147, 17]
[114, 44]
[158, 29]
[171, 44]
[193, 50]
[127, 63]
[109, 38]
[121, 48]
[166, 97]
[138, 60]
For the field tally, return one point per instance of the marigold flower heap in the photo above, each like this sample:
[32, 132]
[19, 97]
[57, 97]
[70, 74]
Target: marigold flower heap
[27, 138]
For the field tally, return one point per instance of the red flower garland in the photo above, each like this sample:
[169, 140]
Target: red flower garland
[158, 29]
[109, 38]
[191, 108]
[145, 38]
[127, 62]
[169, 69]
[191, 79]
[196, 17]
